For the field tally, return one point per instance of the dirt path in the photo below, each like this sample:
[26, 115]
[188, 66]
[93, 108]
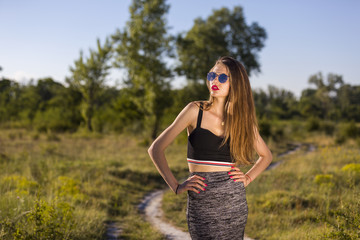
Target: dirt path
[296, 148]
[275, 164]
[151, 206]
[113, 231]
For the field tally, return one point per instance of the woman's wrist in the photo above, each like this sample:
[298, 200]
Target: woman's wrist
[248, 177]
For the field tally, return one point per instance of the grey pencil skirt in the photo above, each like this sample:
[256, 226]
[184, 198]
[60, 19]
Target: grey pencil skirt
[219, 212]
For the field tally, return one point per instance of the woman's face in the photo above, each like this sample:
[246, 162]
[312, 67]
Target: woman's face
[218, 89]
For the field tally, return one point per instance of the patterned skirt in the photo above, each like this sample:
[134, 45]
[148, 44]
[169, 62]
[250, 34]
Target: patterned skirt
[219, 212]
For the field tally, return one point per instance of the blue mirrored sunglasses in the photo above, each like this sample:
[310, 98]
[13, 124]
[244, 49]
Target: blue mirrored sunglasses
[222, 77]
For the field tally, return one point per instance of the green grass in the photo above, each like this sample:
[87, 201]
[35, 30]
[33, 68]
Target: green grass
[69, 185]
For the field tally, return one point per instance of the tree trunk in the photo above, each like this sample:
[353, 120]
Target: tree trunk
[89, 127]
[89, 115]
[155, 127]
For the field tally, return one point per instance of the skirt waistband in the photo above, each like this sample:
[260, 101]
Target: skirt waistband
[212, 176]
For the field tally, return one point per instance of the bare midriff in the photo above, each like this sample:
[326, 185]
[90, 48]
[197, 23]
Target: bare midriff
[205, 168]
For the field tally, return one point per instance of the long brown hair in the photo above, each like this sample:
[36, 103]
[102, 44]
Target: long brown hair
[239, 112]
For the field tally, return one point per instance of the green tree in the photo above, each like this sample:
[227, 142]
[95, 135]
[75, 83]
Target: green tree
[9, 99]
[322, 100]
[47, 89]
[261, 100]
[29, 102]
[348, 102]
[308, 106]
[58, 106]
[224, 32]
[283, 103]
[89, 76]
[141, 49]
[118, 113]
[276, 104]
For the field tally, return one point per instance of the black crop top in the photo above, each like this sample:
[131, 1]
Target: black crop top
[203, 147]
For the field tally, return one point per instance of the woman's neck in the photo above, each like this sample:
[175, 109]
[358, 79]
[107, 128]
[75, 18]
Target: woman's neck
[218, 106]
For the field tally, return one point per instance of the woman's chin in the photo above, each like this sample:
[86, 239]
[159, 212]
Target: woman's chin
[215, 93]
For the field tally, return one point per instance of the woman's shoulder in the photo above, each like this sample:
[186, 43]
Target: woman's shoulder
[191, 109]
[189, 112]
[192, 106]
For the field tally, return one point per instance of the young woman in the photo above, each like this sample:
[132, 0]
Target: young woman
[222, 134]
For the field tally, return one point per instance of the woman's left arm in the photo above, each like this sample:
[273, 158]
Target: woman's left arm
[265, 158]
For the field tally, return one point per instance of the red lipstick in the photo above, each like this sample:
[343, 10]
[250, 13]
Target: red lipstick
[214, 87]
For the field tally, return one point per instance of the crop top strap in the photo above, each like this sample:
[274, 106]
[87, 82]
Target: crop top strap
[199, 116]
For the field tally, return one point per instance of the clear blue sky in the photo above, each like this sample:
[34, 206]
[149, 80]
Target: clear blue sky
[43, 38]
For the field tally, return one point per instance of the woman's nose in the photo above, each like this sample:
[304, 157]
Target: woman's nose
[216, 80]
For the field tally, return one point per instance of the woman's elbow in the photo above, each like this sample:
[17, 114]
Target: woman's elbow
[153, 148]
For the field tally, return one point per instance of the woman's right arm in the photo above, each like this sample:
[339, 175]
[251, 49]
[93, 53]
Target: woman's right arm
[157, 148]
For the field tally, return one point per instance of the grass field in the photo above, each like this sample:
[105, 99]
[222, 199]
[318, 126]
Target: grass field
[67, 186]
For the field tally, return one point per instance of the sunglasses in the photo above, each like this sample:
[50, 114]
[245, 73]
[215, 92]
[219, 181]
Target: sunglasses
[222, 77]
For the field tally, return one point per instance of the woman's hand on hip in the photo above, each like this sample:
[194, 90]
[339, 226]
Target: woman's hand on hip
[194, 183]
[238, 176]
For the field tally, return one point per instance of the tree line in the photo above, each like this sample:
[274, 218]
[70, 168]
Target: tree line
[143, 48]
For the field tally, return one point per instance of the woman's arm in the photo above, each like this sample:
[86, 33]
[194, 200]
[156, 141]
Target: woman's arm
[265, 157]
[261, 164]
[157, 148]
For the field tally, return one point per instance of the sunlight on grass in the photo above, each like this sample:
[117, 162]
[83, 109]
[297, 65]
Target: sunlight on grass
[86, 179]
[90, 178]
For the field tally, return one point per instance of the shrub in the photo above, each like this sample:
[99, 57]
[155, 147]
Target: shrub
[346, 131]
[350, 130]
[53, 220]
[69, 188]
[20, 184]
[352, 172]
[324, 180]
[265, 128]
[57, 119]
[278, 133]
[339, 139]
[345, 222]
[351, 167]
[312, 124]
[328, 127]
